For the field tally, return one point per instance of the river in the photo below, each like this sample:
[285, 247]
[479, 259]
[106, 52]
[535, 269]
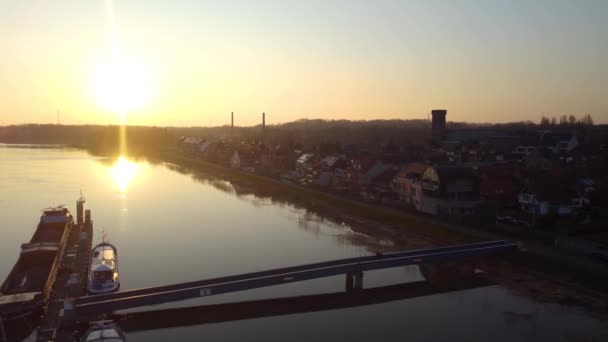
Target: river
[172, 227]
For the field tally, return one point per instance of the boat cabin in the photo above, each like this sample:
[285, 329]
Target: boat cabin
[55, 215]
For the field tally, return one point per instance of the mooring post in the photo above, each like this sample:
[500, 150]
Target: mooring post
[87, 217]
[79, 211]
[69, 315]
[349, 282]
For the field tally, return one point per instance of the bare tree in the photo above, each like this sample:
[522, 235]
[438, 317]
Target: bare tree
[544, 121]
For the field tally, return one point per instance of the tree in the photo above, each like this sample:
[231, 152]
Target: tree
[553, 121]
[587, 120]
[572, 120]
[544, 121]
[563, 120]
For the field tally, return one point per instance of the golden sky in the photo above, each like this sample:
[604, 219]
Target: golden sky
[484, 61]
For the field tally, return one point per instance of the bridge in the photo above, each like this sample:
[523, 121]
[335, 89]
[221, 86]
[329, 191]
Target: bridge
[90, 306]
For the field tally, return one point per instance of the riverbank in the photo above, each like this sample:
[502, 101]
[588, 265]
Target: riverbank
[538, 257]
[540, 271]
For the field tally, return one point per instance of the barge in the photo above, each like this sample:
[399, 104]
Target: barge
[26, 289]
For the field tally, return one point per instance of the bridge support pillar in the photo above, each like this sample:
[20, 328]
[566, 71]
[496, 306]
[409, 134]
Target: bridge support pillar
[354, 281]
[349, 282]
[359, 280]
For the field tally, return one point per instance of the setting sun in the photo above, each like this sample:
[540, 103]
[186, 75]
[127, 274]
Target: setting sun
[121, 85]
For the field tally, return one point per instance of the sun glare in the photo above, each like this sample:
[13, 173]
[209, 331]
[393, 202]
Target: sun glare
[121, 85]
[123, 172]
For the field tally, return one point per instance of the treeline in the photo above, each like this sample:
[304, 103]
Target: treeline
[566, 121]
[103, 140]
[325, 135]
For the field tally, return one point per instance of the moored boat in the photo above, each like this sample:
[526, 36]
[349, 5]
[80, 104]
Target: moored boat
[27, 287]
[104, 331]
[103, 273]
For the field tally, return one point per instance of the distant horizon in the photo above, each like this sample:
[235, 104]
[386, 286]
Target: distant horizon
[180, 63]
[536, 122]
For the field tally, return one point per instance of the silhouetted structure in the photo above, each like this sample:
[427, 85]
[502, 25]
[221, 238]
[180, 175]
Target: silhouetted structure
[438, 127]
[90, 306]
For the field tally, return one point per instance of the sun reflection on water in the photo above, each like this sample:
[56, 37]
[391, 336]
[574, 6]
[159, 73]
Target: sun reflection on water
[123, 172]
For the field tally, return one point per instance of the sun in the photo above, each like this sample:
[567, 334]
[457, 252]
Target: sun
[121, 85]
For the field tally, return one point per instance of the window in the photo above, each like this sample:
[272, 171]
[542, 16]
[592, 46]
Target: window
[103, 275]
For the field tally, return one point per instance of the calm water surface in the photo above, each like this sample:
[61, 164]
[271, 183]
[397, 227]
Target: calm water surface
[170, 227]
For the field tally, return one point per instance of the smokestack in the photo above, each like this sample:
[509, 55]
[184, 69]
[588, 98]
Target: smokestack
[263, 120]
[438, 123]
[232, 119]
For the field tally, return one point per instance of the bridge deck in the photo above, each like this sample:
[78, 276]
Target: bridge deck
[106, 303]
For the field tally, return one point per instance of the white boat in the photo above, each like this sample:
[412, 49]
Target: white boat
[103, 274]
[104, 331]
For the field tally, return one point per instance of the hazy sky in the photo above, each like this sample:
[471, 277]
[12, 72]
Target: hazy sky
[484, 61]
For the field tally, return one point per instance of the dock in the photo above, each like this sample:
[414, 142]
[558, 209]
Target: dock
[72, 277]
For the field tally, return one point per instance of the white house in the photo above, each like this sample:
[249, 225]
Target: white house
[408, 184]
[235, 160]
[304, 163]
[541, 200]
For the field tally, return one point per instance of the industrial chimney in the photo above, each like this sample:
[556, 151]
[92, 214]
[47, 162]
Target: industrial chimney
[438, 124]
